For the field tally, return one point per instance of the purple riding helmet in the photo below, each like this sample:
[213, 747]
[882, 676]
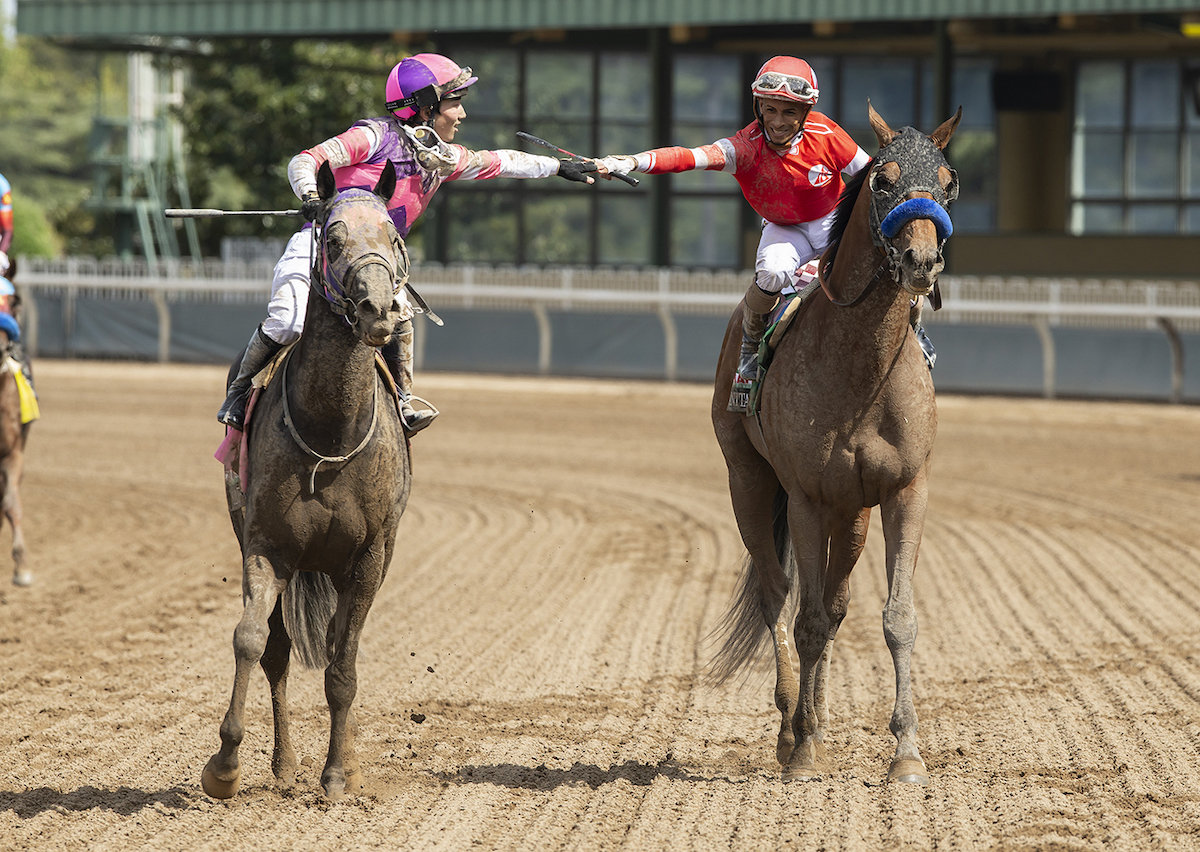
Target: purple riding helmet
[422, 80]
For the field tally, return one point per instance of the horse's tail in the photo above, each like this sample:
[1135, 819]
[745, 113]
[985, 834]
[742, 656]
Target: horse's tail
[308, 605]
[744, 626]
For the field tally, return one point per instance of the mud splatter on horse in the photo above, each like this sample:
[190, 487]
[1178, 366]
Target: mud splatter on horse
[328, 478]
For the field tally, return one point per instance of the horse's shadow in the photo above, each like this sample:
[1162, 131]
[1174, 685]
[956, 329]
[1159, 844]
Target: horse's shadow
[125, 801]
[542, 777]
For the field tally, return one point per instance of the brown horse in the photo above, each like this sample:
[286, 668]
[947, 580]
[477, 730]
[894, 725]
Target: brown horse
[13, 435]
[328, 478]
[846, 422]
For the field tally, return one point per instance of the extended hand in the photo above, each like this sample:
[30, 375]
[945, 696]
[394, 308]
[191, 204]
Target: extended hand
[577, 168]
[310, 206]
[616, 166]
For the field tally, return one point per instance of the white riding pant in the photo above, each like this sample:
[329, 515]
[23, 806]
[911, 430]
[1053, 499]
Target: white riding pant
[783, 249]
[289, 290]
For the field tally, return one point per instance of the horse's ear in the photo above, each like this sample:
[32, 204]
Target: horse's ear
[941, 136]
[883, 133]
[326, 185]
[387, 182]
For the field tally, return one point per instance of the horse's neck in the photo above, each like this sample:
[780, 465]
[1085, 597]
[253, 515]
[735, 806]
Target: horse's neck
[331, 378]
[871, 333]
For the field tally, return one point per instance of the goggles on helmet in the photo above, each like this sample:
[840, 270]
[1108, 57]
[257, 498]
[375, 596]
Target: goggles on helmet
[430, 96]
[774, 82]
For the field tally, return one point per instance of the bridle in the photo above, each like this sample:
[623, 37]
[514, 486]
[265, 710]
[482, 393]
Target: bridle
[891, 208]
[356, 208]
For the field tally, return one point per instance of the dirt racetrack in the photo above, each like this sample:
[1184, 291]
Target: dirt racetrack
[531, 674]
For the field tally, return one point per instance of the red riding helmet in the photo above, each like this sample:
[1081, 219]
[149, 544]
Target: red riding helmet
[786, 78]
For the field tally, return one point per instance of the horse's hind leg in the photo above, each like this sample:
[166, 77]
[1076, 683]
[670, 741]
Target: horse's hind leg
[260, 590]
[903, 518]
[756, 496]
[812, 632]
[845, 547]
[825, 597]
[275, 662]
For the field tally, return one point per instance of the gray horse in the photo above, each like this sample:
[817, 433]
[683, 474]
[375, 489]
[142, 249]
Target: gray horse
[328, 478]
[847, 421]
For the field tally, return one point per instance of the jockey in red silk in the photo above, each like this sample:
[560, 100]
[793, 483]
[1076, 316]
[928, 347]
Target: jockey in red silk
[424, 104]
[789, 164]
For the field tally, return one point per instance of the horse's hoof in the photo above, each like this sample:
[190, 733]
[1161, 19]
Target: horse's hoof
[908, 771]
[801, 773]
[218, 787]
[783, 752]
[334, 792]
[22, 577]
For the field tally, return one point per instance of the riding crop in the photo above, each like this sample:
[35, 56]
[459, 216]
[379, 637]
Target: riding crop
[209, 212]
[632, 181]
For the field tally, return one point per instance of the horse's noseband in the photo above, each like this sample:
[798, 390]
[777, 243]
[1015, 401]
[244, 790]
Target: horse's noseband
[359, 212]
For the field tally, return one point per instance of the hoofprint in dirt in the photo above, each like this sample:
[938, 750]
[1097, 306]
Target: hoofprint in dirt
[531, 673]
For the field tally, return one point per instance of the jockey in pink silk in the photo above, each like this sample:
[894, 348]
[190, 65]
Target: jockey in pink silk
[424, 104]
[789, 164]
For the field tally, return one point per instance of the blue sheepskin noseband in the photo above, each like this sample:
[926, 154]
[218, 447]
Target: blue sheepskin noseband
[917, 208]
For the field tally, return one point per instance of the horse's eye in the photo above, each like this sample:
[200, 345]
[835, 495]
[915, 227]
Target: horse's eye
[335, 240]
[883, 179]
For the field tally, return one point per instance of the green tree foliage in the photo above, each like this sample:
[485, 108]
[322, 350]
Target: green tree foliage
[47, 95]
[251, 105]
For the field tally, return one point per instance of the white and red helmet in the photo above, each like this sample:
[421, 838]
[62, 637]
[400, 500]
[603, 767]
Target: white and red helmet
[786, 78]
[422, 80]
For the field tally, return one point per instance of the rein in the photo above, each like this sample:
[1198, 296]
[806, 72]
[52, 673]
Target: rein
[287, 418]
[822, 276]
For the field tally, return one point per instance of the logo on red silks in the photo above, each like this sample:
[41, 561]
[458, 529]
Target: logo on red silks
[819, 175]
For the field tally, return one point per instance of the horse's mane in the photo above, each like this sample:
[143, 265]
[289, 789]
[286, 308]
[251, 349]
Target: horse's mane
[845, 206]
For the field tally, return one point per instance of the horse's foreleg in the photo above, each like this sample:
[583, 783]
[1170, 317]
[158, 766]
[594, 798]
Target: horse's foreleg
[260, 590]
[812, 631]
[11, 504]
[275, 662]
[903, 517]
[341, 773]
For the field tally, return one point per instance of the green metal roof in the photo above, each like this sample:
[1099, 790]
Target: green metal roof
[197, 18]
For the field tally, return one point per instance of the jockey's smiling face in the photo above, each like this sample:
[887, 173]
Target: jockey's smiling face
[450, 114]
[782, 119]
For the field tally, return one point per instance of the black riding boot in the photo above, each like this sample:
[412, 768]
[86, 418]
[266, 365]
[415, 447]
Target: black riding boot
[259, 352]
[757, 305]
[398, 353]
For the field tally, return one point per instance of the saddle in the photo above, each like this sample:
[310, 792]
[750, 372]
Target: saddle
[778, 322]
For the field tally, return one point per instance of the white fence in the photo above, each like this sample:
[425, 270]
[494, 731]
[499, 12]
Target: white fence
[1171, 306]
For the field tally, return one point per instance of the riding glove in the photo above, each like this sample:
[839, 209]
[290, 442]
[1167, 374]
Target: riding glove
[310, 206]
[576, 169]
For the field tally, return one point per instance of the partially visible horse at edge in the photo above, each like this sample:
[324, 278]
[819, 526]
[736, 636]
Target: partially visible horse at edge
[846, 422]
[13, 436]
[329, 475]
